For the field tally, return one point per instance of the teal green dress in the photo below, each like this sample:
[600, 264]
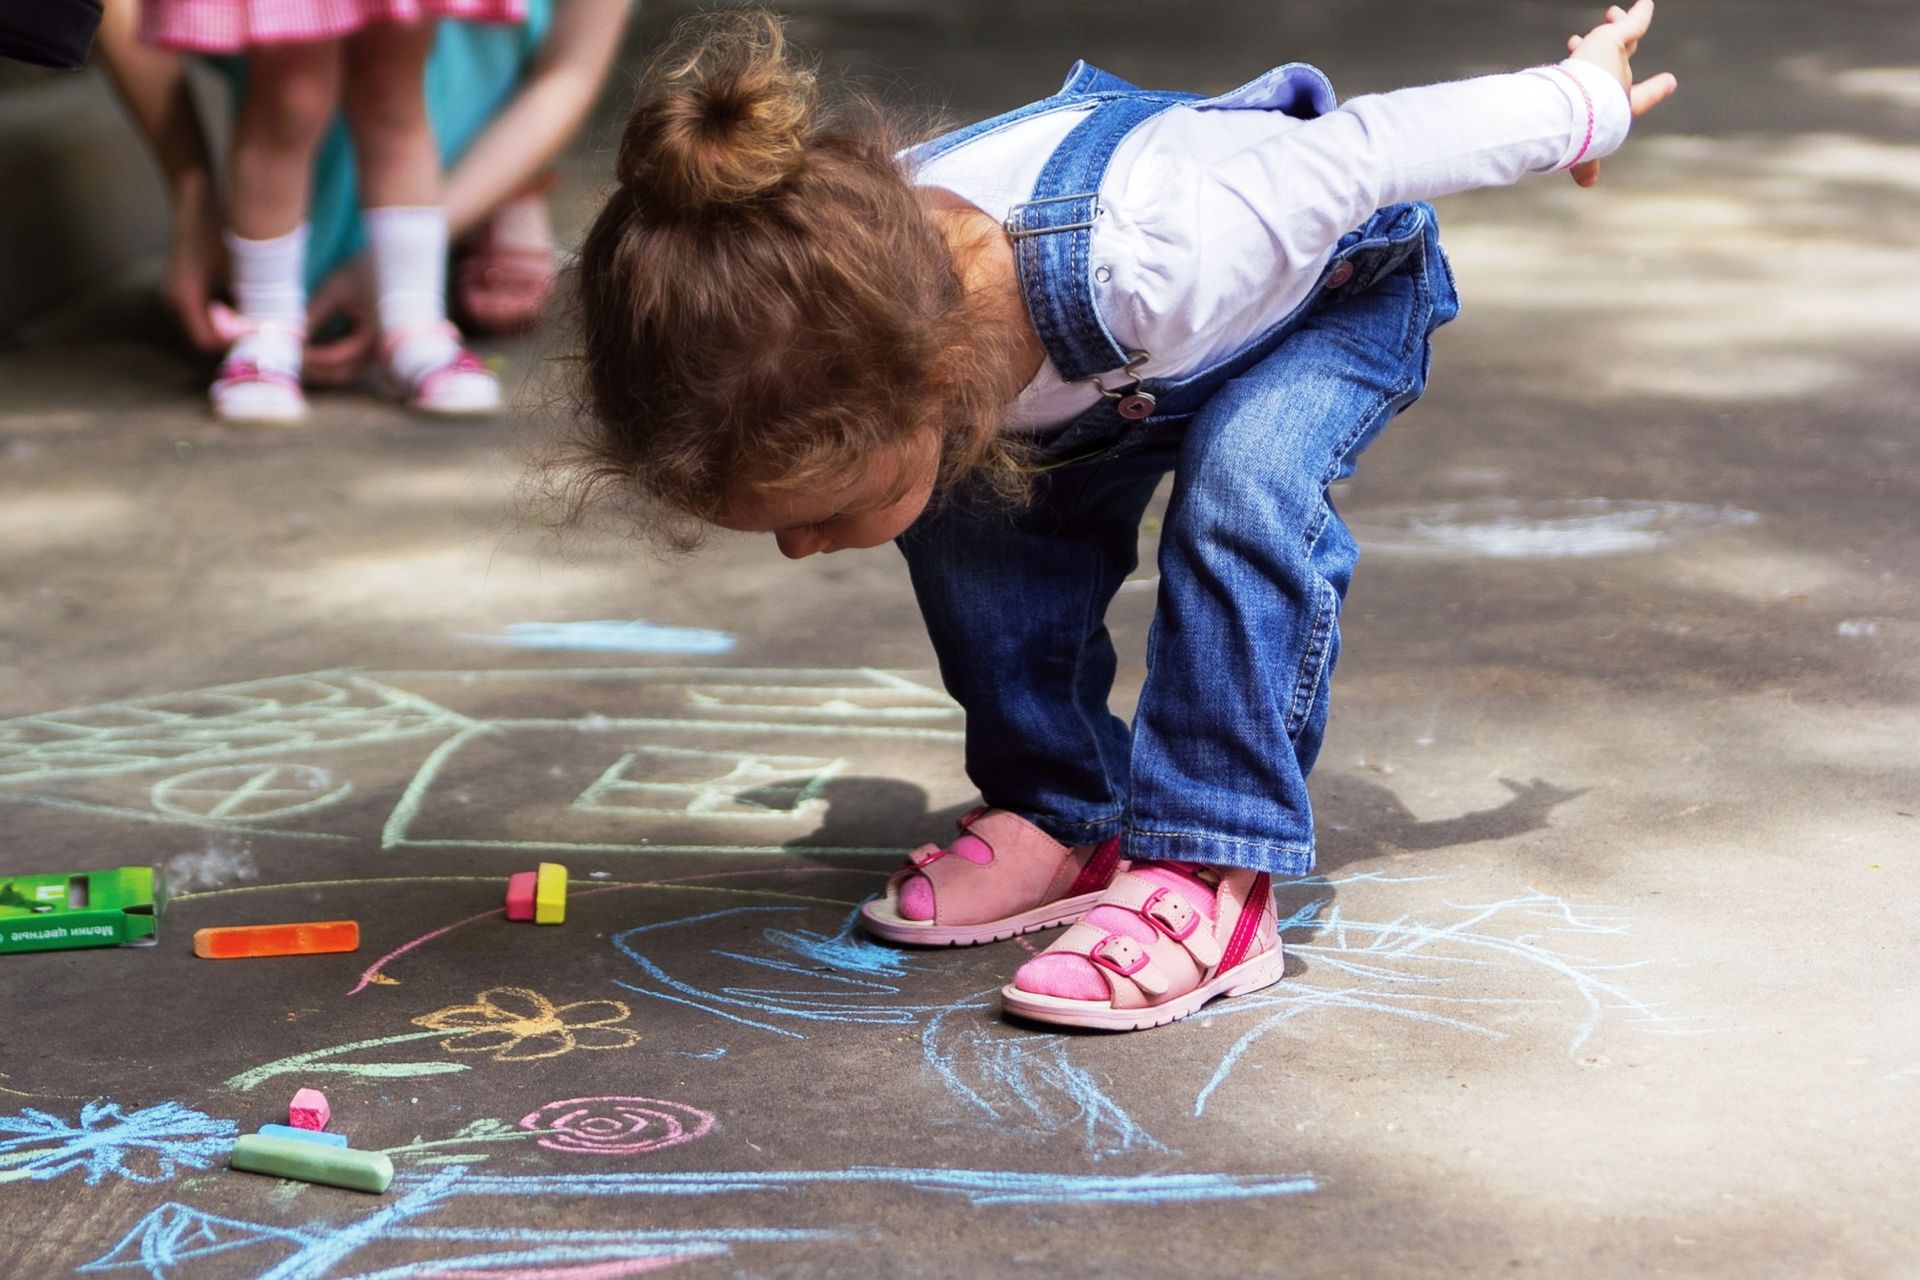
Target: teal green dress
[472, 72]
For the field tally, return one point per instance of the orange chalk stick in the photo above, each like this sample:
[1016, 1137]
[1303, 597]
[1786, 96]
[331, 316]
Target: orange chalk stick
[240, 942]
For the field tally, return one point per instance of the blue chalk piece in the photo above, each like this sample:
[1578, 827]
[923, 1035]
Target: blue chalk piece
[637, 636]
[303, 1135]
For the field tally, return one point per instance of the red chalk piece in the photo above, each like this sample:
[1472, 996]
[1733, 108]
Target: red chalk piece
[520, 888]
[309, 1110]
[313, 937]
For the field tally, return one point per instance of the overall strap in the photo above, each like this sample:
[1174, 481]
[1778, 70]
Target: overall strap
[1053, 233]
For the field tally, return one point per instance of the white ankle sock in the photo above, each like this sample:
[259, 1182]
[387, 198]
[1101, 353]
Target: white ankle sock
[408, 246]
[269, 289]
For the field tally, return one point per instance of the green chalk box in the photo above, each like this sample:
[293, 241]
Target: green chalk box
[115, 908]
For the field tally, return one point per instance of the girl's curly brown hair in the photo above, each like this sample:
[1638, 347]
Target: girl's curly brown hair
[764, 300]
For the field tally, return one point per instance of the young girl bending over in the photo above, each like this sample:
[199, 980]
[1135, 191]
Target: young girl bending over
[306, 59]
[990, 348]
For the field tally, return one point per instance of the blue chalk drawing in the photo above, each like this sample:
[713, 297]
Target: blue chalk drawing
[637, 636]
[1023, 1082]
[148, 1146]
[1013, 1079]
[174, 1236]
[1410, 969]
[1438, 973]
[848, 949]
[980, 1187]
[807, 989]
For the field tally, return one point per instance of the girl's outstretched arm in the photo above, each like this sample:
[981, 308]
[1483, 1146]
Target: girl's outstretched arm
[1288, 198]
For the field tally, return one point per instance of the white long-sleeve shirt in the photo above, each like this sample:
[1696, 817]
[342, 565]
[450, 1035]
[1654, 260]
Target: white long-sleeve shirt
[1217, 223]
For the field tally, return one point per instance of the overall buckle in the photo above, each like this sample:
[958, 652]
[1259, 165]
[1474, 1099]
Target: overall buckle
[1129, 401]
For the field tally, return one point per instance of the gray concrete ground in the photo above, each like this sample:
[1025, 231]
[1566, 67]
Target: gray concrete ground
[1608, 968]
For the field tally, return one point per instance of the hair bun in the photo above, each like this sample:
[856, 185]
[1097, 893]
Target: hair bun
[723, 116]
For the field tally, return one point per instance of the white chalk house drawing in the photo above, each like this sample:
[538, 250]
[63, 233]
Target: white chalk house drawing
[593, 760]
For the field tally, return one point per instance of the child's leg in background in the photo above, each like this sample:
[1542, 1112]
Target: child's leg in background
[406, 223]
[281, 120]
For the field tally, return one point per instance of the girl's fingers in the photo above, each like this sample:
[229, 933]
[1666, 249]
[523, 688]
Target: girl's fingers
[1651, 92]
[1633, 22]
[1586, 173]
[1574, 42]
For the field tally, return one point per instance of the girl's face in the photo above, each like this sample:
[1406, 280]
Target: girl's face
[872, 508]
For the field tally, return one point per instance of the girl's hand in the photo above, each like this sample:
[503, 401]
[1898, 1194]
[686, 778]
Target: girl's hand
[196, 264]
[1610, 47]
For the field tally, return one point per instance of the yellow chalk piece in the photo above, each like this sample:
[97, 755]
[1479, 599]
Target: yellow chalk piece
[550, 894]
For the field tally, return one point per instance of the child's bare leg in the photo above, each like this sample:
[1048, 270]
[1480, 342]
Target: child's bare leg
[291, 94]
[405, 221]
[386, 112]
[292, 91]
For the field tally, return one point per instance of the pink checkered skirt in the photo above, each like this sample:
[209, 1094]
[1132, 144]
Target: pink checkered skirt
[234, 26]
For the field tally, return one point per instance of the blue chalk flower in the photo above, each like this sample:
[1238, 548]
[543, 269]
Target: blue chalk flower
[149, 1146]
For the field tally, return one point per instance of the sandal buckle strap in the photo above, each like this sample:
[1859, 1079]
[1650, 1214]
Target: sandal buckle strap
[237, 372]
[1171, 914]
[1121, 954]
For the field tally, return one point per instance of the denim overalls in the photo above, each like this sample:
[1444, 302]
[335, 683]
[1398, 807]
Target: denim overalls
[1254, 562]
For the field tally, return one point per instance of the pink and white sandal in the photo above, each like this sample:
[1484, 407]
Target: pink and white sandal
[1159, 944]
[259, 380]
[1002, 877]
[452, 383]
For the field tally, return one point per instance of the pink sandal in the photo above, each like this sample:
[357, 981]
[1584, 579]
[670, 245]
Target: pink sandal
[456, 384]
[1157, 946]
[504, 273]
[1003, 876]
[259, 380]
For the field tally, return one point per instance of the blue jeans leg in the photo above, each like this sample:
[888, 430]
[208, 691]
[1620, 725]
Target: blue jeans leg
[1015, 606]
[1254, 565]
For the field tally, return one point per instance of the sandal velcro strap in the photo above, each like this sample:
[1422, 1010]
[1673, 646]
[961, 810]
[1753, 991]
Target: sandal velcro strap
[1122, 955]
[238, 372]
[1170, 914]
[1181, 921]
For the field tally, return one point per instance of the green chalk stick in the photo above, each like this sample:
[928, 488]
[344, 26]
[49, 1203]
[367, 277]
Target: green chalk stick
[310, 1162]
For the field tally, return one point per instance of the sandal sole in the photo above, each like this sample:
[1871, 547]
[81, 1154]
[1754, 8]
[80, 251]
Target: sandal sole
[1256, 974]
[878, 918]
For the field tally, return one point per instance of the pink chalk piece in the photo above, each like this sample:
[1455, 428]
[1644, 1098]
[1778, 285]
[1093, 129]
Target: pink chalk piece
[309, 1110]
[520, 886]
[616, 1270]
